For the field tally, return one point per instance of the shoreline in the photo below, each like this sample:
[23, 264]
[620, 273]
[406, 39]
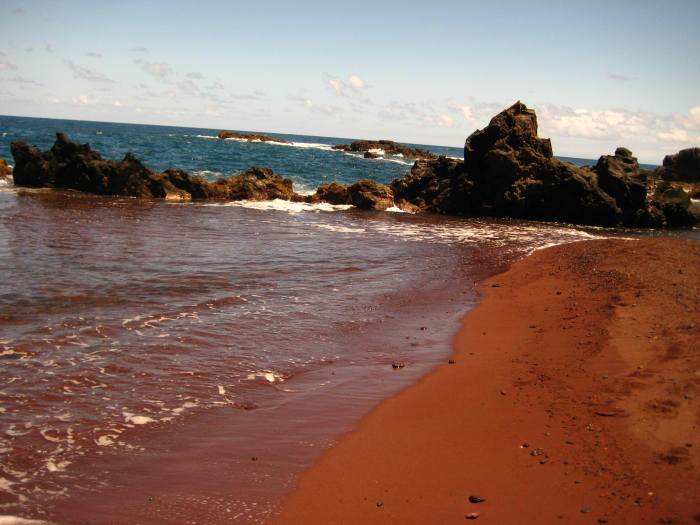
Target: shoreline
[603, 432]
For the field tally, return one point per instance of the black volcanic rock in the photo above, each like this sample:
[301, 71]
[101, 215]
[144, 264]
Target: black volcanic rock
[620, 177]
[78, 167]
[509, 171]
[674, 203]
[332, 193]
[250, 137]
[388, 146]
[438, 186]
[683, 166]
[370, 195]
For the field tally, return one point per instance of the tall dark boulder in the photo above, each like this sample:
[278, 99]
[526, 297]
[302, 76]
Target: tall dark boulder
[620, 177]
[683, 166]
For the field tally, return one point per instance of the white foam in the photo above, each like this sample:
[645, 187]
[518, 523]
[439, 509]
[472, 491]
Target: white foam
[340, 229]
[205, 136]
[53, 466]
[222, 390]
[307, 145]
[287, 206]
[106, 440]
[137, 420]
[268, 375]
[16, 520]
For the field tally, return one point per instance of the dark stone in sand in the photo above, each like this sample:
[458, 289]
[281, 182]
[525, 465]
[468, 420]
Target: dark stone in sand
[509, 171]
[5, 170]
[476, 499]
[250, 137]
[472, 515]
[78, 167]
[397, 365]
[389, 146]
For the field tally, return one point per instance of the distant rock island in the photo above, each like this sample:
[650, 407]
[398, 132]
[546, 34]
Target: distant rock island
[250, 137]
[373, 148]
[507, 171]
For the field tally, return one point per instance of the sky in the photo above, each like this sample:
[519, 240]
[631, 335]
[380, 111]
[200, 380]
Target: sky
[600, 74]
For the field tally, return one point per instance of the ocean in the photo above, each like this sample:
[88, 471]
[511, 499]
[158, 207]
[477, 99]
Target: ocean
[185, 362]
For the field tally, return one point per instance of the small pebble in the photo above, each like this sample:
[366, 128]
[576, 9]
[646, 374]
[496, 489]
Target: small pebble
[451, 362]
[525, 445]
[397, 365]
[585, 510]
[503, 392]
[472, 515]
[254, 458]
[380, 504]
[476, 499]
[603, 520]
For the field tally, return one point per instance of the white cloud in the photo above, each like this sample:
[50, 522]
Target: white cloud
[675, 135]
[195, 75]
[159, 70]
[7, 66]
[87, 73]
[356, 82]
[336, 85]
[82, 99]
[117, 104]
[467, 112]
[445, 121]
[93, 54]
[695, 113]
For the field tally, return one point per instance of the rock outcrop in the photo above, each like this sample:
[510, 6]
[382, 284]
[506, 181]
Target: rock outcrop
[683, 166]
[388, 147]
[5, 170]
[250, 137]
[509, 171]
[78, 167]
[364, 194]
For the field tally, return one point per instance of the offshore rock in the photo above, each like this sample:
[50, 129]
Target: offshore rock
[250, 137]
[78, 167]
[388, 147]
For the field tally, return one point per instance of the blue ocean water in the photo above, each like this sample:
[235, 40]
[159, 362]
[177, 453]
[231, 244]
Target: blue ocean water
[309, 161]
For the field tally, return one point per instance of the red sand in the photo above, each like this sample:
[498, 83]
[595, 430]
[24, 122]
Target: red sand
[590, 354]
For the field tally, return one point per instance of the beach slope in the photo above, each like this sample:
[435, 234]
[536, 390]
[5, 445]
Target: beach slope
[574, 397]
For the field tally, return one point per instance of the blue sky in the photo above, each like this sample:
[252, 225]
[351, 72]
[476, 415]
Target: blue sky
[599, 74]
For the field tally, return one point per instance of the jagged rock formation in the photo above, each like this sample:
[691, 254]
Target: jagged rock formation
[364, 194]
[683, 166]
[78, 167]
[250, 137]
[389, 147]
[509, 171]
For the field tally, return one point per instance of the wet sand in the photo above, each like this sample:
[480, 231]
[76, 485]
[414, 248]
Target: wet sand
[574, 397]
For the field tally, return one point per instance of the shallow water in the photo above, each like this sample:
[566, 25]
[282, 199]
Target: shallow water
[183, 363]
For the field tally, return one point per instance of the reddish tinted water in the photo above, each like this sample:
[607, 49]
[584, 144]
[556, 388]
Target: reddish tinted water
[150, 351]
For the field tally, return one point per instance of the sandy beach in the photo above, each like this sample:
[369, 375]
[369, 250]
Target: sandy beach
[571, 397]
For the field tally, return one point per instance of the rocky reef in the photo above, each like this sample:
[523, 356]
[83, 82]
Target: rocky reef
[388, 147]
[249, 137]
[509, 171]
[78, 167]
